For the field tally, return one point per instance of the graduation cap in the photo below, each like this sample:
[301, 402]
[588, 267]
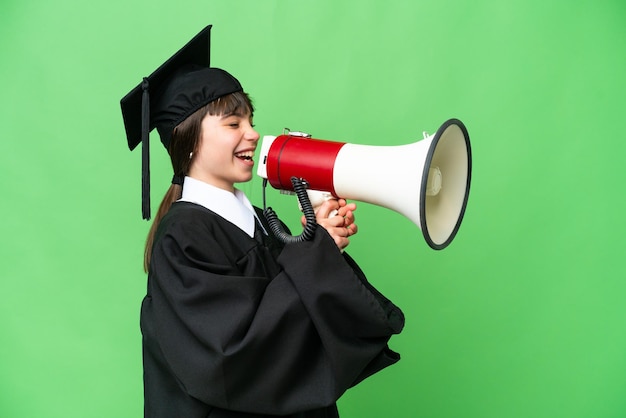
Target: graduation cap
[174, 91]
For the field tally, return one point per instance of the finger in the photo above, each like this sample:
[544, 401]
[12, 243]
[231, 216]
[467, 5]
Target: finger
[341, 242]
[332, 223]
[348, 218]
[343, 210]
[326, 208]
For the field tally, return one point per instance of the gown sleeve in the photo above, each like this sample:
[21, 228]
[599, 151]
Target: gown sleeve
[240, 335]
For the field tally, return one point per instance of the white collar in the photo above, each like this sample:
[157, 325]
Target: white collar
[234, 207]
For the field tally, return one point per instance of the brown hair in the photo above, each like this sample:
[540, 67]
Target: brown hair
[184, 143]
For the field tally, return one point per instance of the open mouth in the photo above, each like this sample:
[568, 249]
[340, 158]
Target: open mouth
[245, 155]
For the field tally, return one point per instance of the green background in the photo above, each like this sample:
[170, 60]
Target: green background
[523, 315]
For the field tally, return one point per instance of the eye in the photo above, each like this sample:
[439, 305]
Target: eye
[232, 123]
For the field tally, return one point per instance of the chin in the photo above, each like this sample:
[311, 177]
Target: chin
[245, 179]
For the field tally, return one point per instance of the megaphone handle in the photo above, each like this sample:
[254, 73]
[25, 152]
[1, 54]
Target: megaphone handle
[299, 186]
[317, 198]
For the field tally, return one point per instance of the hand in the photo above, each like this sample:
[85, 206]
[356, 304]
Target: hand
[341, 225]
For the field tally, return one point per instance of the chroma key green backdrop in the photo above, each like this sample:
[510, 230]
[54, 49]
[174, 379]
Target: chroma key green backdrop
[522, 316]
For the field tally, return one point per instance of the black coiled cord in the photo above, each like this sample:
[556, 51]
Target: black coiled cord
[299, 186]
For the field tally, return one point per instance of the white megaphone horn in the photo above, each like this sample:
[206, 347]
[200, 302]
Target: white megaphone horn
[427, 181]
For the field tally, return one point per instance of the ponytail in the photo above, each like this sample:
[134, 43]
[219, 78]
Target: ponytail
[174, 193]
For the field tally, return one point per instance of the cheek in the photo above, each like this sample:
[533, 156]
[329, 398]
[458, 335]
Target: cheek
[215, 147]
[205, 147]
[212, 158]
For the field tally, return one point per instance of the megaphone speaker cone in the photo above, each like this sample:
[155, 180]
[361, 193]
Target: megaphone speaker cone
[441, 213]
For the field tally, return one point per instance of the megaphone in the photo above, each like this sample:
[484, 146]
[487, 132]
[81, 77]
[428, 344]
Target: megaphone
[427, 181]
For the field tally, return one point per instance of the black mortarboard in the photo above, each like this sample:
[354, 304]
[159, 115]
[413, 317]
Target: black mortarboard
[179, 87]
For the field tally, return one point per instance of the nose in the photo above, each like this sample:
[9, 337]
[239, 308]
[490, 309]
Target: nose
[251, 134]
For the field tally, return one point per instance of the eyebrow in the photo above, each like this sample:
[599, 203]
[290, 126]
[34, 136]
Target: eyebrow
[237, 114]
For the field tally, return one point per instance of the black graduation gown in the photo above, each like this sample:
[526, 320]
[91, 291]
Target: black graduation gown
[233, 328]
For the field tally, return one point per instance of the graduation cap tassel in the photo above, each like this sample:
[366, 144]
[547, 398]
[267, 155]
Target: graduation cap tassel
[145, 149]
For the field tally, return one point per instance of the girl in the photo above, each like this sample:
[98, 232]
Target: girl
[235, 323]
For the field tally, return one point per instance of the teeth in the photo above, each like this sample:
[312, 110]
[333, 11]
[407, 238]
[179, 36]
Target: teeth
[248, 155]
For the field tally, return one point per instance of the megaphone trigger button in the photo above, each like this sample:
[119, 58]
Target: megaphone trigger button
[300, 134]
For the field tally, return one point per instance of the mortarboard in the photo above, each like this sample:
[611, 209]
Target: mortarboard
[174, 91]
